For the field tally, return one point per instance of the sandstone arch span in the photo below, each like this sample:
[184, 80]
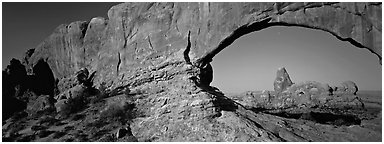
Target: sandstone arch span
[339, 19]
[207, 57]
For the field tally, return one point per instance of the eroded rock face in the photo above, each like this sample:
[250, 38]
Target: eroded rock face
[42, 103]
[162, 52]
[304, 95]
[25, 61]
[282, 81]
[16, 72]
[350, 87]
[43, 74]
[141, 35]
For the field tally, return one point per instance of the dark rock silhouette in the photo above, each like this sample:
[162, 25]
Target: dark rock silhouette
[43, 74]
[206, 75]
[40, 104]
[74, 91]
[350, 87]
[125, 134]
[122, 132]
[347, 87]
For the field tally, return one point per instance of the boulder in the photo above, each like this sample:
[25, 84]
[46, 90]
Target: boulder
[350, 87]
[73, 98]
[82, 76]
[66, 83]
[60, 105]
[282, 81]
[74, 92]
[42, 103]
[102, 43]
[66, 107]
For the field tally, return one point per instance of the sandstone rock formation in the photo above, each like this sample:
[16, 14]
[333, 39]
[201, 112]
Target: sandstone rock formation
[282, 81]
[25, 59]
[74, 90]
[303, 95]
[42, 103]
[160, 52]
[350, 87]
[142, 35]
[82, 75]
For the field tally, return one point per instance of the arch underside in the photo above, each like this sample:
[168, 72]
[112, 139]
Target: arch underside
[356, 23]
[243, 30]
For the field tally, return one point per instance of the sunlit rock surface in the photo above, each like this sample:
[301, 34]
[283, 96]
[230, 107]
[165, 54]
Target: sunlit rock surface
[282, 81]
[142, 35]
[158, 55]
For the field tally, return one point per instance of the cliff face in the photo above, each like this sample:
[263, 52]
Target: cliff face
[163, 50]
[143, 35]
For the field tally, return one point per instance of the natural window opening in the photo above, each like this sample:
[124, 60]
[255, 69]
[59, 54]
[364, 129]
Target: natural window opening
[321, 76]
[250, 63]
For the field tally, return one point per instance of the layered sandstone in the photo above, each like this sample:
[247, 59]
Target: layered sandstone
[160, 53]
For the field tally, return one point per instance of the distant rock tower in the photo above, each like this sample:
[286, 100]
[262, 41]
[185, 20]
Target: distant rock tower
[282, 81]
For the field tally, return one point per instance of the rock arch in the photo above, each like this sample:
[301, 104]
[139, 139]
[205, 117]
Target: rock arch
[143, 35]
[352, 22]
[161, 48]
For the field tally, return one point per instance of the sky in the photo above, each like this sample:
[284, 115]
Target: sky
[25, 25]
[251, 62]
